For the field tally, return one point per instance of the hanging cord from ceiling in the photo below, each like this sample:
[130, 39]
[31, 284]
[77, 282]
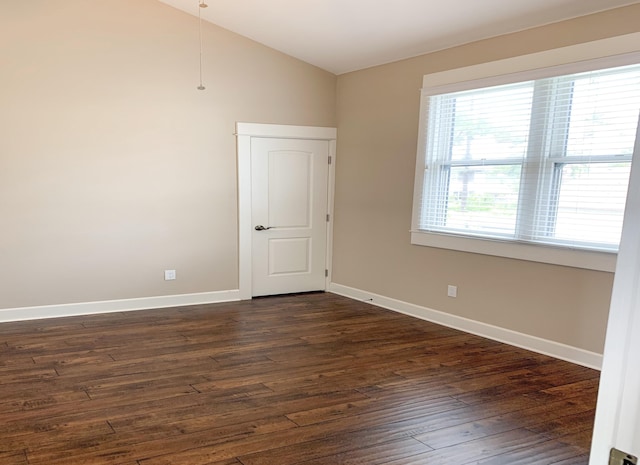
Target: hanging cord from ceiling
[201, 5]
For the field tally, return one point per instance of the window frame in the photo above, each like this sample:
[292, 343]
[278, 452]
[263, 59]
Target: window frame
[608, 53]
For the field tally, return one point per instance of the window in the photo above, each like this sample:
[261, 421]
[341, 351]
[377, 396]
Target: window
[541, 161]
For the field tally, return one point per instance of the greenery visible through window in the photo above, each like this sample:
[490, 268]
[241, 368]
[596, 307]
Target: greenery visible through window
[543, 161]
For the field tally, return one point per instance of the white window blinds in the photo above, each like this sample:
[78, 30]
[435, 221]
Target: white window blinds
[542, 161]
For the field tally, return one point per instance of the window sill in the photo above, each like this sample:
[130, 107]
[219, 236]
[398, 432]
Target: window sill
[576, 258]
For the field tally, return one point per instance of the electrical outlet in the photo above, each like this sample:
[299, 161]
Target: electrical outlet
[617, 457]
[452, 291]
[169, 275]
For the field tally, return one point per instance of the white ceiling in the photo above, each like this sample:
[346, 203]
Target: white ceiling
[347, 35]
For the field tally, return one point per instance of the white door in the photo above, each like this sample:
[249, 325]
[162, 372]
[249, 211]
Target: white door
[289, 179]
[617, 421]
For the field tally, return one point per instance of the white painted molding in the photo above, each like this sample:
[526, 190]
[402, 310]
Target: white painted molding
[565, 256]
[331, 190]
[281, 131]
[245, 252]
[507, 336]
[111, 306]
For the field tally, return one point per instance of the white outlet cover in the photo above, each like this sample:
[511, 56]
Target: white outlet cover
[169, 275]
[452, 291]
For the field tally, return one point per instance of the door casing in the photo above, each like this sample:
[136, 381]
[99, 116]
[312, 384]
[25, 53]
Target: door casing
[244, 133]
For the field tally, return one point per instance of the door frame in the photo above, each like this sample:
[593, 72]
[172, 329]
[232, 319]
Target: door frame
[244, 133]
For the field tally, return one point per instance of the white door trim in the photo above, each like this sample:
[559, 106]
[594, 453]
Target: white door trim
[244, 133]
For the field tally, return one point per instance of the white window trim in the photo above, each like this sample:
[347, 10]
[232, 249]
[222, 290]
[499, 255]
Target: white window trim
[607, 53]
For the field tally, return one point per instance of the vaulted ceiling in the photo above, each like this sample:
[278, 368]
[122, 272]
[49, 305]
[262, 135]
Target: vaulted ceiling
[346, 35]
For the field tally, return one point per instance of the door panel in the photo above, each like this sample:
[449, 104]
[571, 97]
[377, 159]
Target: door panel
[290, 188]
[289, 199]
[287, 256]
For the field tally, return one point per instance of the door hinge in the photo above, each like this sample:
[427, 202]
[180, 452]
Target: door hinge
[329, 159]
[326, 273]
[328, 217]
[617, 457]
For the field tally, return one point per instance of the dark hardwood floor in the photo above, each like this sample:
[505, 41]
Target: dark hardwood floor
[303, 379]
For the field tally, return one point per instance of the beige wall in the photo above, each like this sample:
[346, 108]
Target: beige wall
[377, 132]
[113, 167]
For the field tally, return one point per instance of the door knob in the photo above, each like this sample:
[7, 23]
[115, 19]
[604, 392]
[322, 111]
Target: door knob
[262, 228]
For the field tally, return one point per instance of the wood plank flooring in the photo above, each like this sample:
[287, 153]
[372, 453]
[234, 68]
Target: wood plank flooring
[304, 379]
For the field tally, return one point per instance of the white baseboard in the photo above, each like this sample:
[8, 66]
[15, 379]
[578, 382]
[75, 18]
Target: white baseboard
[111, 306]
[507, 336]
